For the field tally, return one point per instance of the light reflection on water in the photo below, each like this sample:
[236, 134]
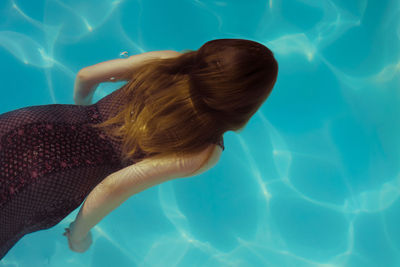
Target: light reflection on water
[312, 180]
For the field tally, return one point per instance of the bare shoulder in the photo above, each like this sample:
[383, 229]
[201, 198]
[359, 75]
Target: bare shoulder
[152, 171]
[185, 166]
[207, 159]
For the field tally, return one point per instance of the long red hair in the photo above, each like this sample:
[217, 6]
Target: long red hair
[178, 106]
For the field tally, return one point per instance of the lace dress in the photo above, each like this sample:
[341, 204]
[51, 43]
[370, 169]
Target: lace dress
[50, 160]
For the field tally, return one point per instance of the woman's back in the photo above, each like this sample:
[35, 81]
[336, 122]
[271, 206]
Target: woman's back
[50, 160]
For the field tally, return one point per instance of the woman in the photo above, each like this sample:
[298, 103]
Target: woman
[167, 122]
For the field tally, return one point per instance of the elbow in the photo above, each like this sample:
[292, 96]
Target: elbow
[82, 75]
[83, 79]
[83, 85]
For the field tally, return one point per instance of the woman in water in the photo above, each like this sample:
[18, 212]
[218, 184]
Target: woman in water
[166, 122]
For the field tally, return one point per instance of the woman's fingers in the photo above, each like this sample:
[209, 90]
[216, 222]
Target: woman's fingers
[80, 246]
[66, 231]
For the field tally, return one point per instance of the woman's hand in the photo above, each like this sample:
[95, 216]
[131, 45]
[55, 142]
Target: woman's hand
[78, 245]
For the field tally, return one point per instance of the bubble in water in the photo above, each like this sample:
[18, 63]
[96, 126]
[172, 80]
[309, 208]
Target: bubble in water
[124, 54]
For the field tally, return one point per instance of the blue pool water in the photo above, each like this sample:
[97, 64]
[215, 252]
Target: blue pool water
[312, 181]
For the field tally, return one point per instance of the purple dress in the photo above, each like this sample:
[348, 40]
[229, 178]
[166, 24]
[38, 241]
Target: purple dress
[50, 160]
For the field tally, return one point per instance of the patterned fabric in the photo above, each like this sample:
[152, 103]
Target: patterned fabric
[50, 160]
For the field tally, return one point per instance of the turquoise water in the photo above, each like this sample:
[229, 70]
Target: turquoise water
[313, 180]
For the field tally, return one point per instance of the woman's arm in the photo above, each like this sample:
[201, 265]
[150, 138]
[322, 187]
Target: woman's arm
[83, 91]
[89, 78]
[119, 186]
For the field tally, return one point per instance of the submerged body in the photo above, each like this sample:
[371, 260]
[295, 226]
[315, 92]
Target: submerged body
[50, 160]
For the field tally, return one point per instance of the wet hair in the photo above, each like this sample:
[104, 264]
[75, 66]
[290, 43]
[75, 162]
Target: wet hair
[178, 106]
